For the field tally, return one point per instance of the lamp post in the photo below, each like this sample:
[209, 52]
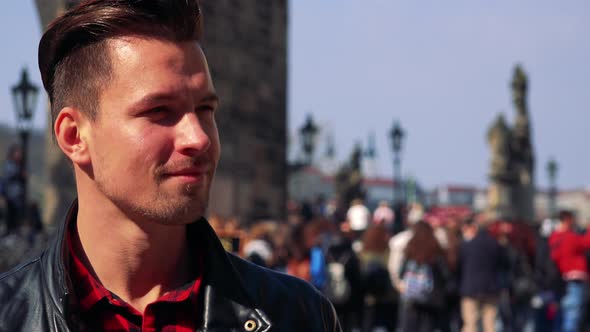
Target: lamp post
[308, 134]
[552, 168]
[396, 135]
[24, 95]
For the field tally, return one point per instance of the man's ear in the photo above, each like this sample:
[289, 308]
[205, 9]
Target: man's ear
[70, 128]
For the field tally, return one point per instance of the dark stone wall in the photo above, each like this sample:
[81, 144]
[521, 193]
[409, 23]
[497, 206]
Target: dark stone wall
[246, 46]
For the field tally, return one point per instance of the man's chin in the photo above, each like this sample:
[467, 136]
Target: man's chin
[179, 217]
[178, 210]
[188, 211]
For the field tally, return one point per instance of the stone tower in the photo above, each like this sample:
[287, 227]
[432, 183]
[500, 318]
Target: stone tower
[246, 47]
[511, 192]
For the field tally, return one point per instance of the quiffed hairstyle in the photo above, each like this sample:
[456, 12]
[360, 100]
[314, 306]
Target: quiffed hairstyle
[74, 60]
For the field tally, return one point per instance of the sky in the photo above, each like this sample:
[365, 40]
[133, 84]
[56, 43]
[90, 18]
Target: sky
[442, 69]
[20, 31]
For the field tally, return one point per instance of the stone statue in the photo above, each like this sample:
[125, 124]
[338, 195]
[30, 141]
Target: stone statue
[501, 176]
[522, 135]
[522, 149]
[511, 192]
[348, 184]
[499, 139]
[519, 89]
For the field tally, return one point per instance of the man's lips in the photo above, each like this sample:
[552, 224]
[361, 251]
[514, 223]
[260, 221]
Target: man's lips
[191, 174]
[187, 172]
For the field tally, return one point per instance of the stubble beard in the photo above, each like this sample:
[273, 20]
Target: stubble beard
[181, 208]
[186, 205]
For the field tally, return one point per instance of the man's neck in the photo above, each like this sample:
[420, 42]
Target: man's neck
[469, 234]
[137, 261]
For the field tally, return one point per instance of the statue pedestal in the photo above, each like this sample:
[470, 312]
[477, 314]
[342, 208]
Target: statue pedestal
[499, 202]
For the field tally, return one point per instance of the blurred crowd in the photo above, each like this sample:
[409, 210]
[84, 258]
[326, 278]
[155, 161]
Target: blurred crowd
[21, 229]
[403, 269]
[436, 269]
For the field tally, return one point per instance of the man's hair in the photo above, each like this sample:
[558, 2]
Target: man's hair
[471, 219]
[565, 215]
[74, 60]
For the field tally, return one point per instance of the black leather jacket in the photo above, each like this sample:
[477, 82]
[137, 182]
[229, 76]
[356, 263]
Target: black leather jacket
[236, 295]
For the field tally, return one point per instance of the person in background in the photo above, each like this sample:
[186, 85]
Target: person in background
[549, 284]
[358, 216]
[299, 254]
[568, 252]
[258, 246]
[450, 320]
[517, 241]
[344, 284]
[423, 279]
[13, 188]
[384, 215]
[380, 309]
[398, 243]
[280, 245]
[481, 264]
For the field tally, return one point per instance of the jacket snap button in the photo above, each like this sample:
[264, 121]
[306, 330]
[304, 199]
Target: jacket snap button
[250, 325]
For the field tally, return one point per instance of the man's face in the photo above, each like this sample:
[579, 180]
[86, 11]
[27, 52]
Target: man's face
[154, 144]
[568, 222]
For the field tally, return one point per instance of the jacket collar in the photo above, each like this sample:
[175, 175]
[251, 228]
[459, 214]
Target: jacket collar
[225, 299]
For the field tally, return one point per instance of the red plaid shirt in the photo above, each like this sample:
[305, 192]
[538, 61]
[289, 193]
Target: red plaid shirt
[100, 309]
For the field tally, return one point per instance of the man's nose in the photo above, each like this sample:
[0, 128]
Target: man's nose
[191, 137]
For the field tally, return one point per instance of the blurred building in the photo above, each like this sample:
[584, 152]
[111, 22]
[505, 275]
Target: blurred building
[577, 201]
[459, 196]
[381, 189]
[246, 47]
[453, 195]
[307, 183]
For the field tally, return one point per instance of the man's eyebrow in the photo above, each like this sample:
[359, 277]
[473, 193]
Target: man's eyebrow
[155, 98]
[210, 98]
[167, 96]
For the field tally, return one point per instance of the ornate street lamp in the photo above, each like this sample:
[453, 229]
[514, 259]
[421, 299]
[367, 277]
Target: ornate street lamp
[552, 168]
[24, 95]
[308, 134]
[397, 135]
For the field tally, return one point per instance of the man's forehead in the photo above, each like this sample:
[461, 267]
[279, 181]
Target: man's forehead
[128, 45]
[148, 54]
[144, 66]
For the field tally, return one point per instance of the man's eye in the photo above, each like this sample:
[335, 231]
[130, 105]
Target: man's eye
[157, 110]
[205, 108]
